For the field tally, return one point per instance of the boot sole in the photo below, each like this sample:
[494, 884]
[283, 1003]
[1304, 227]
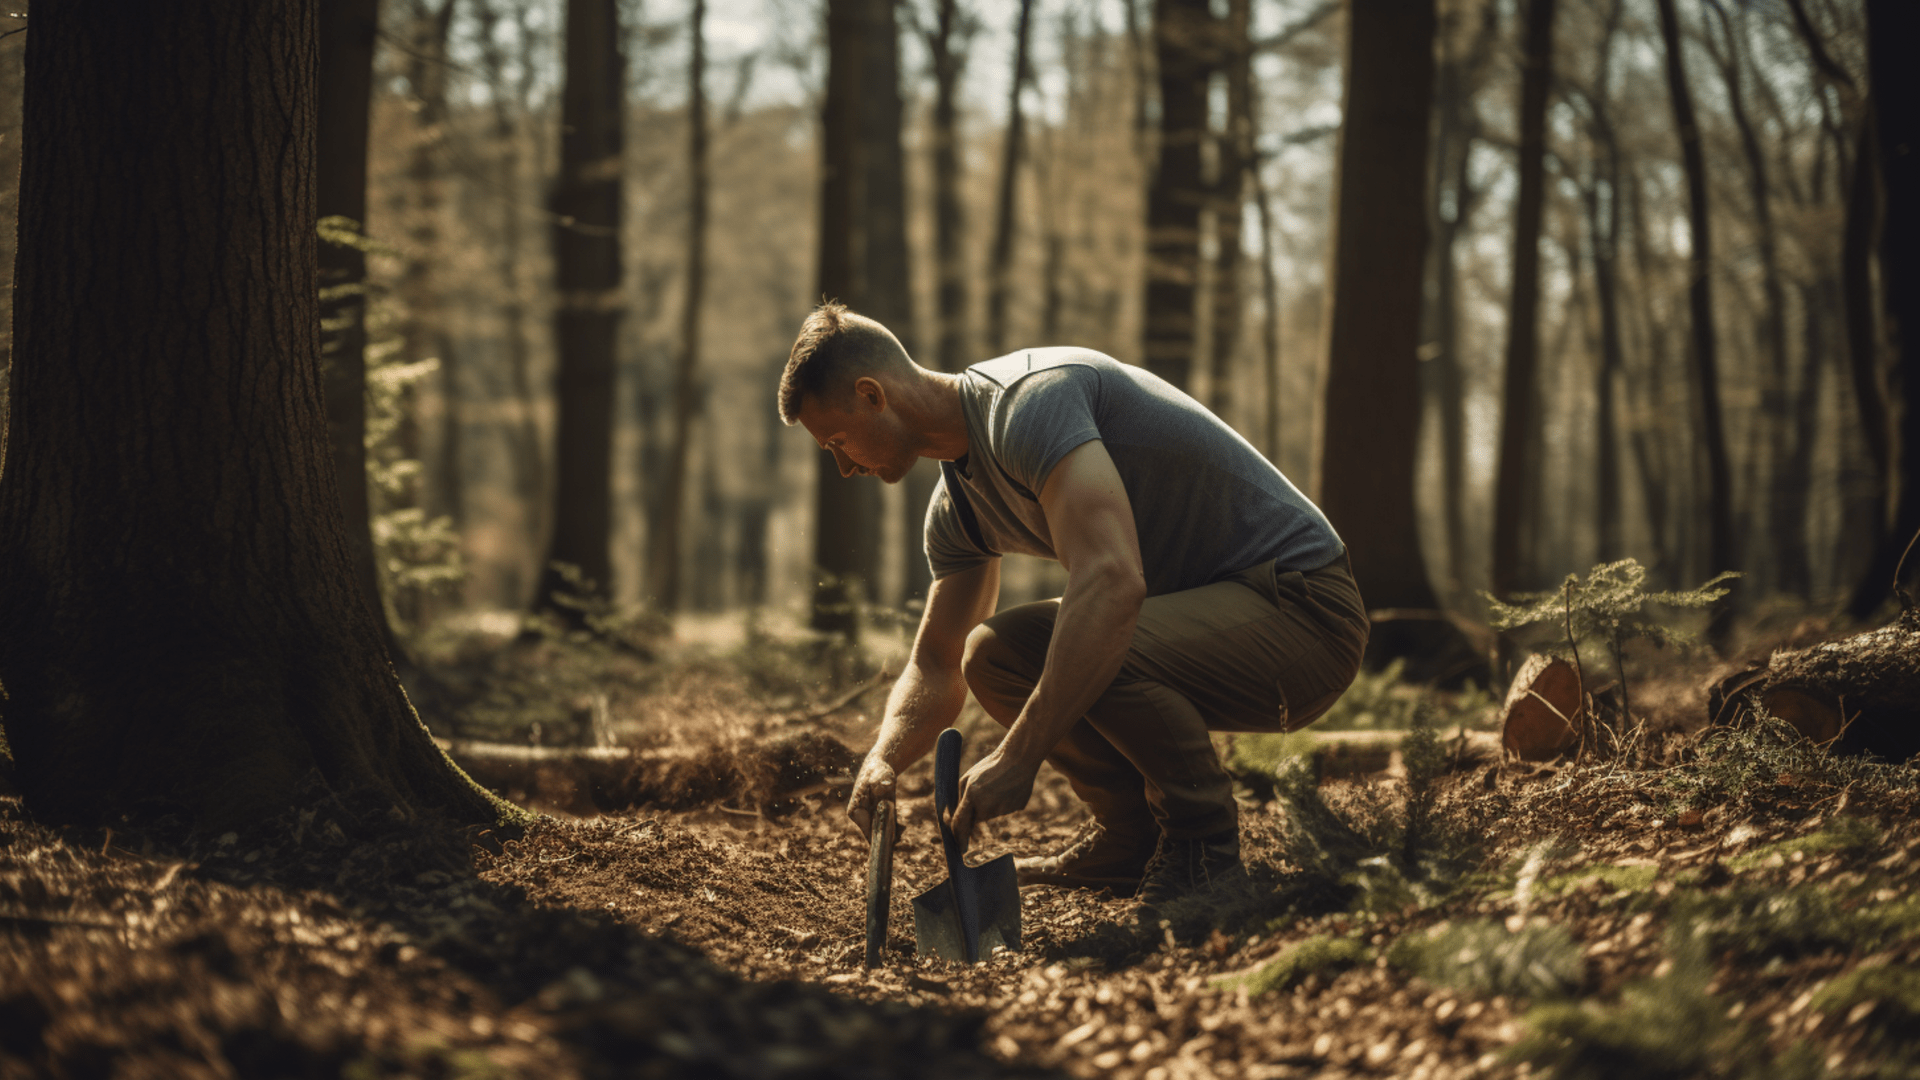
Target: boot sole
[1118, 886]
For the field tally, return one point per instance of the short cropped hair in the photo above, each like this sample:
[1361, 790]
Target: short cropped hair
[835, 348]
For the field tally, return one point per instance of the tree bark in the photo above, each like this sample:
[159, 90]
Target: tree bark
[1520, 398]
[181, 630]
[666, 546]
[586, 240]
[345, 98]
[1006, 202]
[1183, 37]
[1891, 30]
[1706, 363]
[846, 510]
[1379, 251]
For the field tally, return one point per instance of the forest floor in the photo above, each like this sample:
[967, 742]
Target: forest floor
[1730, 904]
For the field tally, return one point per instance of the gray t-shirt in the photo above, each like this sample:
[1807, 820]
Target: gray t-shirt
[1206, 504]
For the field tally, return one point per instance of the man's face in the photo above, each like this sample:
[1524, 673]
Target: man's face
[864, 439]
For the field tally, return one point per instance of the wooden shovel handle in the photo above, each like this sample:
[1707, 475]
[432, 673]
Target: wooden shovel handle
[879, 880]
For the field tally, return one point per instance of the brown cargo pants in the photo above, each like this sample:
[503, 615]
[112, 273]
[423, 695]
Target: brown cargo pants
[1263, 650]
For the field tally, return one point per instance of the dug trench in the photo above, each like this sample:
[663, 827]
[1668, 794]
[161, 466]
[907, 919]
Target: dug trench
[724, 937]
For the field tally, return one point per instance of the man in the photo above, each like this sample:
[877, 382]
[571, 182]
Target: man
[1204, 592]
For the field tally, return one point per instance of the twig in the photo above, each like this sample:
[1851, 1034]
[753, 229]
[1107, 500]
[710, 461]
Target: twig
[1581, 706]
[847, 698]
[1906, 602]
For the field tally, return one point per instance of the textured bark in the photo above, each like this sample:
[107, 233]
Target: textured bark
[180, 626]
[345, 97]
[1704, 341]
[666, 546]
[586, 240]
[1520, 399]
[1891, 27]
[1183, 38]
[1379, 251]
[846, 509]
[1006, 202]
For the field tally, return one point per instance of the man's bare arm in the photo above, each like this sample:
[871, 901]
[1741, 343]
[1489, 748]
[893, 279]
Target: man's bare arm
[930, 690]
[1091, 520]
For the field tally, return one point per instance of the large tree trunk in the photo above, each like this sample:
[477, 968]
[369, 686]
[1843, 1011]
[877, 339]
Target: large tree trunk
[1602, 205]
[666, 546]
[1183, 37]
[1706, 362]
[1006, 203]
[1520, 400]
[586, 241]
[846, 509]
[181, 630]
[1379, 252]
[1891, 29]
[345, 100]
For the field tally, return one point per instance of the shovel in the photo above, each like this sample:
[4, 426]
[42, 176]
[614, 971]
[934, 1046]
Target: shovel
[977, 909]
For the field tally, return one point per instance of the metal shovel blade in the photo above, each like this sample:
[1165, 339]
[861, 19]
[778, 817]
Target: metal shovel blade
[977, 908]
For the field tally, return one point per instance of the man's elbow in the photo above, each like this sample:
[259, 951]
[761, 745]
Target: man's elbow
[1117, 579]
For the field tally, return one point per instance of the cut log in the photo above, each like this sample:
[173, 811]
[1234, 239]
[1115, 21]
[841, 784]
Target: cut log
[1544, 714]
[1861, 694]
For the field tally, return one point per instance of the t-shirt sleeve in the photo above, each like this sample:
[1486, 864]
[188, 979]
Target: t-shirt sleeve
[1046, 416]
[949, 549]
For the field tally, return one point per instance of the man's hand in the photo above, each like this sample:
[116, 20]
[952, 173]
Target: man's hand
[998, 785]
[874, 783]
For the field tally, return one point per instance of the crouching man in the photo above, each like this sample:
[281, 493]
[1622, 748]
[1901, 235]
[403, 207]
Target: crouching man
[1204, 592]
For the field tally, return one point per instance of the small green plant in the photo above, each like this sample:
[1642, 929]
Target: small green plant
[1885, 996]
[1662, 1028]
[1607, 606]
[1322, 954]
[1486, 958]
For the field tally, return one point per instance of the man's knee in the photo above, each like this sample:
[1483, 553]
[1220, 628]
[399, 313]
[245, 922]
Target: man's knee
[984, 651]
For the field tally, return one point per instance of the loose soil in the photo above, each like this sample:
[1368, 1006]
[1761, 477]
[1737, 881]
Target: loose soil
[725, 938]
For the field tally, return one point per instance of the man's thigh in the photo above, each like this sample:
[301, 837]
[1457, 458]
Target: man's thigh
[1249, 656]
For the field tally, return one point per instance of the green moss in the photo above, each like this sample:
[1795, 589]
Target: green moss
[1840, 835]
[1618, 878]
[1317, 955]
[1894, 992]
[1486, 958]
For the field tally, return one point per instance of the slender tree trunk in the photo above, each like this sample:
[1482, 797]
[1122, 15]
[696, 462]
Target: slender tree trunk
[181, 630]
[1000, 268]
[846, 509]
[587, 261]
[1520, 400]
[1602, 205]
[426, 333]
[666, 546]
[523, 431]
[1786, 534]
[1183, 36]
[344, 104]
[1892, 27]
[1379, 252]
[1706, 362]
[1270, 319]
[946, 43]
[1654, 475]
[1235, 151]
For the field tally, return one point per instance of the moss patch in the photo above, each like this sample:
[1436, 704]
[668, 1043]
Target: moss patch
[1839, 836]
[1317, 955]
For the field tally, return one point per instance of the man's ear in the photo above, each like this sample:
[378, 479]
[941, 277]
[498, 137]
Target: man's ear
[868, 391]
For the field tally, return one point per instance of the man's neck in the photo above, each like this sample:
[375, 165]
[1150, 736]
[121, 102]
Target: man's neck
[938, 415]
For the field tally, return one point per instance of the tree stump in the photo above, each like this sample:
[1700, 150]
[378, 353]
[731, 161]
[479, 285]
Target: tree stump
[1544, 714]
[1860, 694]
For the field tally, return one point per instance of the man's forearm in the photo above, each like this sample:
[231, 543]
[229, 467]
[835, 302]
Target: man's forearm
[1090, 640]
[924, 701]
